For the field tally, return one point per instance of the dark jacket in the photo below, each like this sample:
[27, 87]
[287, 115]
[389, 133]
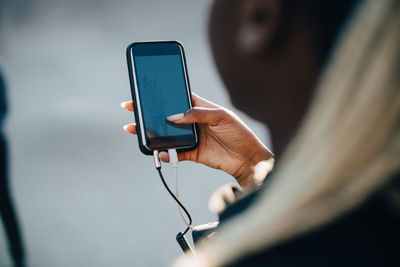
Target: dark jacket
[366, 236]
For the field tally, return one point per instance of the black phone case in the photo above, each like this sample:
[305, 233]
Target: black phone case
[132, 85]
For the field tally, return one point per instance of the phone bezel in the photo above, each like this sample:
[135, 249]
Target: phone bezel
[143, 143]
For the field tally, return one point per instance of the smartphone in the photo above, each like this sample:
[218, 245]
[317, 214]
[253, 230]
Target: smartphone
[160, 88]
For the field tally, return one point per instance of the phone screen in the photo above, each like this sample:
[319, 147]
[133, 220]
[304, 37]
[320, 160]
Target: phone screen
[163, 91]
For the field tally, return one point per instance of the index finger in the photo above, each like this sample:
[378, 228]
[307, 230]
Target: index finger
[201, 102]
[128, 105]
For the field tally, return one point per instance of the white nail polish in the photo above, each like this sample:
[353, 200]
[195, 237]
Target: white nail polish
[175, 117]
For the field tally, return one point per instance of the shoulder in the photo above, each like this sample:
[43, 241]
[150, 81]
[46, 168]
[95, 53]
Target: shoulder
[368, 235]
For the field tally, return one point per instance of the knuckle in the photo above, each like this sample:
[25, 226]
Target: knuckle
[222, 116]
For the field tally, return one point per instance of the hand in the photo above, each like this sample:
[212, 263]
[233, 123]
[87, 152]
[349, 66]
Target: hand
[225, 142]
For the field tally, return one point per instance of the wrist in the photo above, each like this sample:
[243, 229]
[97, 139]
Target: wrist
[255, 169]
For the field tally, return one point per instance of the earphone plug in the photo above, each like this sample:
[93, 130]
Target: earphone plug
[173, 157]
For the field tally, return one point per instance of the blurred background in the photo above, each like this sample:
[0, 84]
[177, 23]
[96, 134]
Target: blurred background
[84, 193]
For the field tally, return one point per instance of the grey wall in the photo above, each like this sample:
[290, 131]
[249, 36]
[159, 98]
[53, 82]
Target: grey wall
[85, 194]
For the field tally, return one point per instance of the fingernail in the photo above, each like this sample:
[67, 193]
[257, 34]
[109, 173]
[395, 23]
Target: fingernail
[125, 127]
[175, 117]
[123, 104]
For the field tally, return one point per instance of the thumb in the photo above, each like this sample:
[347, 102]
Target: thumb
[200, 115]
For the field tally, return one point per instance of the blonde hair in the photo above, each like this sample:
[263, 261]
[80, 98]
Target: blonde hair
[347, 148]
